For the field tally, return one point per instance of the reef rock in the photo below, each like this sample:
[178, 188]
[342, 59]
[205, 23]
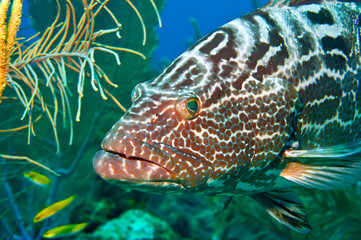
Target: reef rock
[135, 225]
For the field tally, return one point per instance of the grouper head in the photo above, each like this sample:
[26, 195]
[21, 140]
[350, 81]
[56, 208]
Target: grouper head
[203, 125]
[157, 143]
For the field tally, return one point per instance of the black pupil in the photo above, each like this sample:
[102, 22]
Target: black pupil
[192, 105]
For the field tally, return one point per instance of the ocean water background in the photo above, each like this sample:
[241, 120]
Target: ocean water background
[118, 213]
[178, 32]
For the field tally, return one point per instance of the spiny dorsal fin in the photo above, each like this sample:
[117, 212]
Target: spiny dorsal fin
[286, 207]
[280, 3]
[325, 168]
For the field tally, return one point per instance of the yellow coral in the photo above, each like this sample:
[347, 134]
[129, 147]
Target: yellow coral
[7, 36]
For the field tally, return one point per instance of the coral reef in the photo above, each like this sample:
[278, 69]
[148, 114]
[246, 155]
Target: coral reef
[133, 225]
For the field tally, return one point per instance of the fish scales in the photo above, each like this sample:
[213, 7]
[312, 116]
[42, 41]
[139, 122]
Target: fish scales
[224, 117]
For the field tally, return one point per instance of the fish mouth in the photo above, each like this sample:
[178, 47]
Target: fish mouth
[127, 160]
[113, 166]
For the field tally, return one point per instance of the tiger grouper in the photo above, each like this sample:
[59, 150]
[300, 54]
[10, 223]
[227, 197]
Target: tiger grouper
[269, 101]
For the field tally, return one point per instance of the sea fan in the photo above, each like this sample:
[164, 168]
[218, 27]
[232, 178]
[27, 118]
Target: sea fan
[64, 46]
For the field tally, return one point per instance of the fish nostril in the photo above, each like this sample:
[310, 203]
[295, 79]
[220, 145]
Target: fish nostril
[136, 93]
[154, 118]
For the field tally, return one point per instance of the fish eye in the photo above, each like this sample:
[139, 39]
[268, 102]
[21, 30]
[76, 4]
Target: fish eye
[188, 107]
[192, 105]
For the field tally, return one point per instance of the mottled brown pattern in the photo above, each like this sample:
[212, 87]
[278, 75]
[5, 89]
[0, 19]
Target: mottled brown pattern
[279, 79]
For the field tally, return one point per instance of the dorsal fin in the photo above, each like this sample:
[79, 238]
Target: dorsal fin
[280, 3]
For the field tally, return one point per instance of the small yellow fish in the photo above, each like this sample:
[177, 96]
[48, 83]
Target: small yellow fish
[65, 230]
[52, 209]
[37, 178]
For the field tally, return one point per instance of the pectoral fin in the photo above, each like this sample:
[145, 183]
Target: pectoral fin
[286, 207]
[324, 168]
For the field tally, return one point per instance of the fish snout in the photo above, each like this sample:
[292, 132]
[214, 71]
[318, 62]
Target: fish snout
[127, 160]
[114, 167]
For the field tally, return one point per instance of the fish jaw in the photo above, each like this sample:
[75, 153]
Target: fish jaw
[114, 167]
[133, 163]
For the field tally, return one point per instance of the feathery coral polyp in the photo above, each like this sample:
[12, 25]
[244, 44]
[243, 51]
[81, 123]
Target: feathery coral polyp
[7, 37]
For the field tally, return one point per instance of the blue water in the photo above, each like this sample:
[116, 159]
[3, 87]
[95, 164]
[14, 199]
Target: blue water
[26, 29]
[177, 31]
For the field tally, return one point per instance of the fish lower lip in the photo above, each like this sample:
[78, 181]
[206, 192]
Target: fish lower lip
[117, 166]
